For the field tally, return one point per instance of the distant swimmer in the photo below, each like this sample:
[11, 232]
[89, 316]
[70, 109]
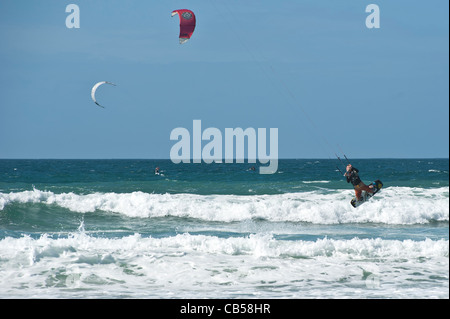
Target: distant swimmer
[252, 168]
[353, 177]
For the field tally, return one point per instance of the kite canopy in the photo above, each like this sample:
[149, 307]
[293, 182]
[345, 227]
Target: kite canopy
[95, 87]
[187, 23]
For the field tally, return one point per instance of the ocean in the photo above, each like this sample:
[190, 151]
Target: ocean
[115, 229]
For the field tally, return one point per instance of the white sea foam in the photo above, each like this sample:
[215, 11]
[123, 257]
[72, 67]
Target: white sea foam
[394, 205]
[316, 182]
[198, 266]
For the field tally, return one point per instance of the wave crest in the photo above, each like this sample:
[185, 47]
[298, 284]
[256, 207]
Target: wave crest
[394, 205]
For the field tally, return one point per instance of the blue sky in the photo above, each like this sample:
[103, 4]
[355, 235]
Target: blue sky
[312, 69]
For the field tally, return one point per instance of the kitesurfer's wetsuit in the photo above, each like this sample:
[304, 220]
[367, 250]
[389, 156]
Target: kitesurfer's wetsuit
[352, 177]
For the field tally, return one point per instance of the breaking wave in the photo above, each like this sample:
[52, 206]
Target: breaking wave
[394, 205]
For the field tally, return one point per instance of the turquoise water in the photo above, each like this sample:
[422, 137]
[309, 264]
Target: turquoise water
[112, 228]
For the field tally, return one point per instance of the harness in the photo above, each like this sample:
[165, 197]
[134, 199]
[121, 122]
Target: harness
[354, 178]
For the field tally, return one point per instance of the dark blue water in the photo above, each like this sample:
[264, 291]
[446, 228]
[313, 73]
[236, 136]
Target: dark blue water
[138, 175]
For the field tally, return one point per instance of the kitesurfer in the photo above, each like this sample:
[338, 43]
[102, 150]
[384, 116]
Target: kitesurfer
[353, 177]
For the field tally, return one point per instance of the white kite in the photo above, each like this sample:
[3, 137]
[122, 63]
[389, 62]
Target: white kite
[95, 87]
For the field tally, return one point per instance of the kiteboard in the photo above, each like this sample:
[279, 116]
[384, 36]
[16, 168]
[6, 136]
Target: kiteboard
[377, 185]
